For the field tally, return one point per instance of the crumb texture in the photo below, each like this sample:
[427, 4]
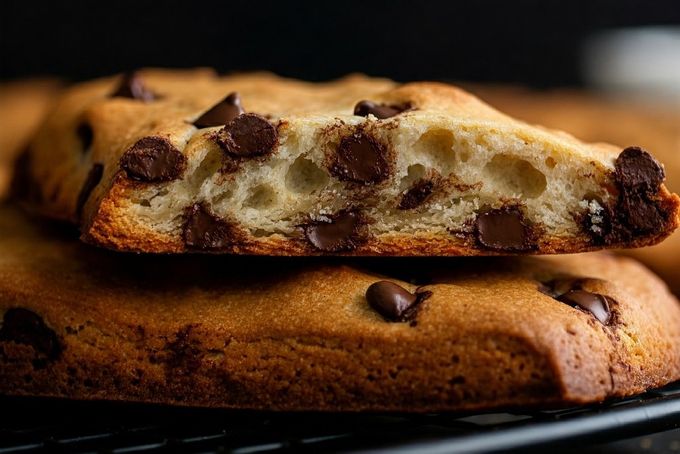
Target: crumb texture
[268, 155]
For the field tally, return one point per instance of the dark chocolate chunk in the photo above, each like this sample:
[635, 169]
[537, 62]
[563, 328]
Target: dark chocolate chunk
[637, 209]
[85, 135]
[360, 158]
[416, 195]
[503, 229]
[248, 135]
[221, 113]
[132, 86]
[153, 159]
[638, 176]
[640, 213]
[380, 111]
[26, 327]
[94, 176]
[570, 290]
[342, 232]
[393, 302]
[596, 304]
[635, 168]
[205, 231]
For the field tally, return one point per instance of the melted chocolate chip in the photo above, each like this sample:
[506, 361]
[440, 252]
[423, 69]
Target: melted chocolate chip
[360, 158]
[380, 111]
[132, 86]
[571, 291]
[416, 195]
[636, 210]
[248, 135]
[85, 135]
[221, 113]
[94, 176]
[638, 176]
[637, 169]
[393, 302]
[594, 303]
[503, 229]
[26, 327]
[205, 231]
[641, 215]
[153, 159]
[342, 232]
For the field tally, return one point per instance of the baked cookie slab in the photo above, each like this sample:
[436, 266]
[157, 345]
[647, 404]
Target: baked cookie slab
[408, 334]
[163, 161]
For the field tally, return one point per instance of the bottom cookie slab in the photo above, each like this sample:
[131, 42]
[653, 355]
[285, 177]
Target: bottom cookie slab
[299, 334]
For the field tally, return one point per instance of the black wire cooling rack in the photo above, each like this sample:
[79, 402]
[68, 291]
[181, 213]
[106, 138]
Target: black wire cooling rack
[30, 425]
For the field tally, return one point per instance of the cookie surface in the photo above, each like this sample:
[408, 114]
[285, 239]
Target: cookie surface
[327, 334]
[593, 118]
[165, 161]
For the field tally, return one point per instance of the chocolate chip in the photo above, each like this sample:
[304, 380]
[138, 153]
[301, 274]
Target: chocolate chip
[641, 215]
[153, 159]
[638, 176]
[571, 291]
[381, 111]
[132, 86]
[637, 209]
[85, 135]
[360, 158]
[393, 302]
[221, 113]
[503, 229]
[94, 176]
[247, 135]
[416, 195]
[596, 304]
[23, 326]
[205, 231]
[341, 232]
[637, 169]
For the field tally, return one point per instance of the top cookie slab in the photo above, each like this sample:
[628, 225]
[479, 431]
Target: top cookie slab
[178, 161]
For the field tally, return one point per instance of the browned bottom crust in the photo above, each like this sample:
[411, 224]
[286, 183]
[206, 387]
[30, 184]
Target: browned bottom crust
[298, 334]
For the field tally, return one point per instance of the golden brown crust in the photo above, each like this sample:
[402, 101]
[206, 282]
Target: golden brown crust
[112, 231]
[113, 215]
[298, 334]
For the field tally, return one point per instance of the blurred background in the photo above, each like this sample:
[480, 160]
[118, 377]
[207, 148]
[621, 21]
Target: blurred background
[541, 43]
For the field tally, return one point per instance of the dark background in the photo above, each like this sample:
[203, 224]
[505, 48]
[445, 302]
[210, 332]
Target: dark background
[531, 42]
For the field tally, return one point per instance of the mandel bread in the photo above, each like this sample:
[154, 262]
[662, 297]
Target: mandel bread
[186, 161]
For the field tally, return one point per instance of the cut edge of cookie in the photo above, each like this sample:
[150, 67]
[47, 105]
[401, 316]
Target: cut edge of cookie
[426, 166]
